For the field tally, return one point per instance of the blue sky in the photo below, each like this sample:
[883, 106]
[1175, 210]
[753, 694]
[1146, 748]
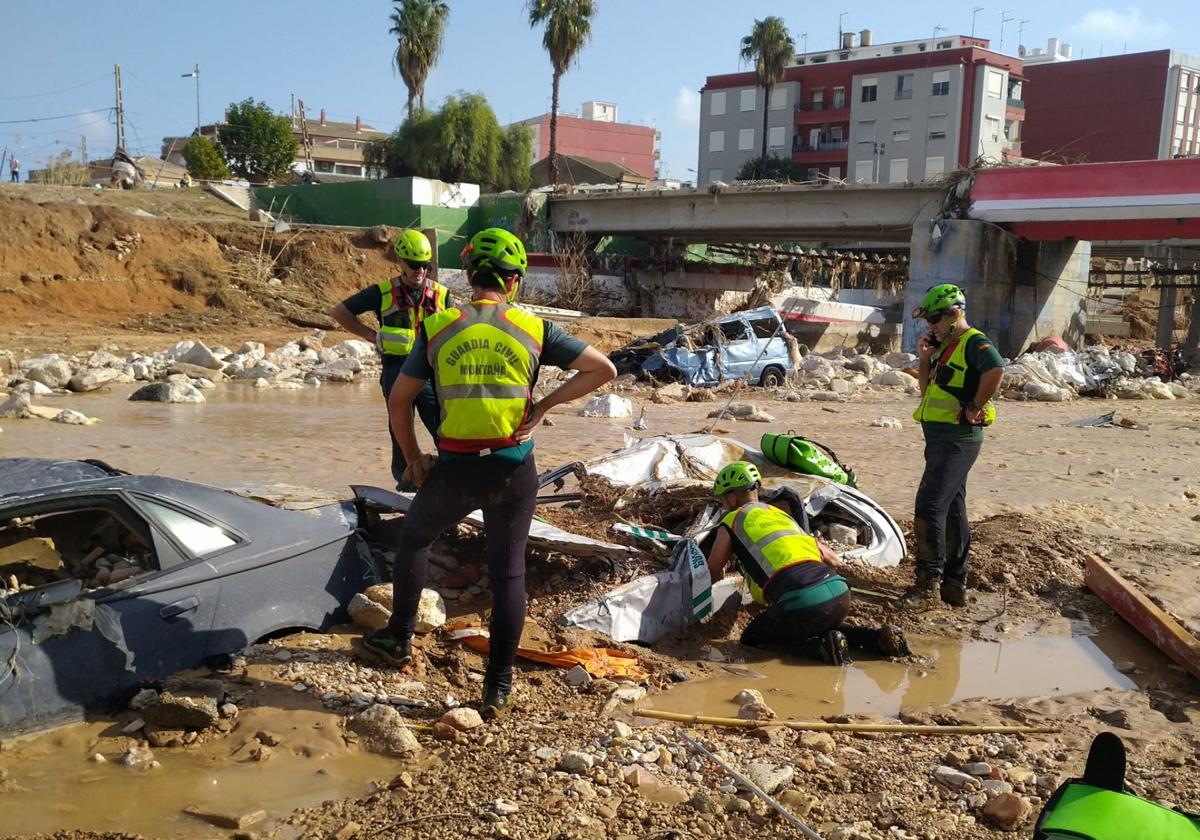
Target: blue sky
[649, 56]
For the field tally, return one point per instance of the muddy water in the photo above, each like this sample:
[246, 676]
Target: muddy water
[950, 671]
[54, 785]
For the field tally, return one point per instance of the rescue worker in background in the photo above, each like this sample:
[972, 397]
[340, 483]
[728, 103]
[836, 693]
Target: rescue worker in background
[400, 305]
[960, 373]
[483, 358]
[789, 572]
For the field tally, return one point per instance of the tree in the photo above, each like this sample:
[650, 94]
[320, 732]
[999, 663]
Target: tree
[461, 142]
[257, 143]
[568, 27]
[774, 168]
[204, 159]
[771, 49]
[418, 26]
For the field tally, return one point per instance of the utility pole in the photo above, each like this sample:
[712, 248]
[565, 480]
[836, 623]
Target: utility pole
[120, 109]
[195, 74]
[83, 148]
[974, 14]
[1021, 32]
[306, 143]
[804, 42]
[842, 15]
[1005, 17]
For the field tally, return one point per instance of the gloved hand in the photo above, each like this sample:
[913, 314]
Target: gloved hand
[418, 470]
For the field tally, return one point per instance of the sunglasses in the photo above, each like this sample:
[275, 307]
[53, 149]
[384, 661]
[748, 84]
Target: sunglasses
[417, 266]
[935, 317]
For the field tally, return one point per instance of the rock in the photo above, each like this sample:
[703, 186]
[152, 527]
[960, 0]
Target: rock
[955, 779]
[797, 801]
[678, 675]
[607, 405]
[995, 787]
[329, 373]
[144, 699]
[74, 418]
[431, 611]
[225, 819]
[97, 758]
[546, 753]
[252, 349]
[229, 710]
[620, 729]
[673, 392]
[885, 422]
[196, 372]
[53, 374]
[446, 732]
[184, 711]
[756, 711]
[1045, 392]
[384, 731]
[355, 348]
[841, 387]
[748, 695]
[1007, 811]
[463, 719]
[16, 407]
[978, 768]
[136, 755]
[34, 389]
[576, 762]
[894, 379]
[842, 534]
[1020, 775]
[821, 742]
[505, 807]
[577, 677]
[629, 693]
[168, 392]
[900, 360]
[199, 354]
[133, 726]
[744, 411]
[346, 832]
[92, 380]
[770, 777]
[862, 830]
[366, 613]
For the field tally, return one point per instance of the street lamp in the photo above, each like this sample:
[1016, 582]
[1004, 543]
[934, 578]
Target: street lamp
[196, 75]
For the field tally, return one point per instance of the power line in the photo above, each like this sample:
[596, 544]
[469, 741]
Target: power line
[60, 90]
[58, 117]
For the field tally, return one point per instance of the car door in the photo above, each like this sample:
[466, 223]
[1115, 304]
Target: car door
[738, 349]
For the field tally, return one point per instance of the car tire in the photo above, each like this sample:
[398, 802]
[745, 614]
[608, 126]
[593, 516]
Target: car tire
[773, 377]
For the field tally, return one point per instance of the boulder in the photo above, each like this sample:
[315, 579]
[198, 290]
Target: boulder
[900, 360]
[53, 374]
[384, 731]
[607, 405]
[894, 379]
[104, 359]
[33, 389]
[197, 372]
[673, 392]
[16, 406]
[330, 373]
[92, 379]
[252, 349]
[179, 350]
[179, 710]
[366, 613]
[168, 392]
[1007, 811]
[744, 411]
[355, 348]
[74, 418]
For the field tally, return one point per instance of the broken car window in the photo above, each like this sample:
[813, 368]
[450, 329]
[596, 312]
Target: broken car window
[199, 538]
[764, 327]
[733, 330]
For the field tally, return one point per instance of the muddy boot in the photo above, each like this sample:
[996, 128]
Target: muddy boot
[389, 645]
[923, 593]
[497, 694]
[891, 641]
[830, 648]
[954, 592]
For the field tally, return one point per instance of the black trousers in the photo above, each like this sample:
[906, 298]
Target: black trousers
[427, 409]
[940, 527]
[506, 492]
[776, 627]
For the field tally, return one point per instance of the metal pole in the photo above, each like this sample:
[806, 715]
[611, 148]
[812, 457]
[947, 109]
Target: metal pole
[197, 72]
[975, 13]
[1166, 311]
[120, 108]
[1005, 17]
[1021, 32]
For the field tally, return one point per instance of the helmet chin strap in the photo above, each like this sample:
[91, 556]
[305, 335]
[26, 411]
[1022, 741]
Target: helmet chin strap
[510, 295]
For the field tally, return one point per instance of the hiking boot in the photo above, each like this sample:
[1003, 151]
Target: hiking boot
[830, 648]
[954, 592]
[496, 701]
[923, 593]
[892, 641]
[387, 644]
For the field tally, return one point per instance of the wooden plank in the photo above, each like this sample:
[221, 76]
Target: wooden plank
[1146, 616]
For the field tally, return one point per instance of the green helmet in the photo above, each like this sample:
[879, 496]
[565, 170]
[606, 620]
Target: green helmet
[736, 476]
[497, 248]
[940, 298]
[413, 246]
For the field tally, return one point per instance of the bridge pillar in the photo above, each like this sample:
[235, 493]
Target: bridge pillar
[1018, 291]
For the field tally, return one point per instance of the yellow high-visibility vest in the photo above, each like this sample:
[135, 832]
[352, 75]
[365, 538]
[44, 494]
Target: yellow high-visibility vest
[483, 356]
[399, 319]
[944, 403]
[773, 541]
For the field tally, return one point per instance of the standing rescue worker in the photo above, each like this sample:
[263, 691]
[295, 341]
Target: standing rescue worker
[483, 358]
[960, 373]
[400, 304]
[789, 572]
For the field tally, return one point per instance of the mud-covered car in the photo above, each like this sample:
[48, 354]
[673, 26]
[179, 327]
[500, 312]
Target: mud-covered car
[109, 580]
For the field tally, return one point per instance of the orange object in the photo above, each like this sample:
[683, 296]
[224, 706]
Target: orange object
[599, 662]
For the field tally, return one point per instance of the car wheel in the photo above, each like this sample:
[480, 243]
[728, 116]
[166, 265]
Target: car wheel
[772, 377]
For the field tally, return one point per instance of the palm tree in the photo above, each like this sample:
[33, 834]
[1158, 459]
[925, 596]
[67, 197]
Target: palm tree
[771, 49]
[568, 28]
[418, 26]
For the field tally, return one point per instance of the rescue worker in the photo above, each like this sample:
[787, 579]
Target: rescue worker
[791, 573]
[483, 358]
[400, 305]
[960, 372]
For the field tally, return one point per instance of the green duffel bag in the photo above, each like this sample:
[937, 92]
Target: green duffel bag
[795, 452]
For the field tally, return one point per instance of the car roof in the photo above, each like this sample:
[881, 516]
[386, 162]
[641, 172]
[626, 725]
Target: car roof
[19, 476]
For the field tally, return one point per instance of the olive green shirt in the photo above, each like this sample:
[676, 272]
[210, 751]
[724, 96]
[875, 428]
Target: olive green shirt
[981, 356]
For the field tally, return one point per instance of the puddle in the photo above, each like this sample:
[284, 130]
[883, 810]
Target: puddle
[1028, 667]
[52, 784]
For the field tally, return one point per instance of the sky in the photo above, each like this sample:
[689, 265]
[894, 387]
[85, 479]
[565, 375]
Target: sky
[651, 57]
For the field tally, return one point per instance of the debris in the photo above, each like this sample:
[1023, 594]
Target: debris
[505, 807]
[184, 711]
[577, 677]
[607, 405]
[223, 819]
[384, 731]
[744, 411]
[885, 422]
[756, 711]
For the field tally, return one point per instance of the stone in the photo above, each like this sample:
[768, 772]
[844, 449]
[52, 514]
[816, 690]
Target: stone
[620, 729]
[136, 755]
[955, 779]
[756, 711]
[748, 695]
[996, 787]
[821, 742]
[895, 379]
[1007, 811]
[862, 363]
[196, 372]
[73, 418]
[384, 731]
[346, 832]
[464, 719]
[169, 392]
[797, 801]
[744, 411]
[576, 762]
[505, 807]
[144, 699]
[199, 354]
[184, 711]
[431, 611]
[226, 819]
[629, 693]
[355, 348]
[53, 374]
[92, 379]
[577, 676]
[670, 393]
[16, 407]
[842, 534]
[900, 360]
[885, 422]
[770, 777]
[842, 387]
[134, 726]
[546, 753]
[366, 613]
[1020, 775]
[978, 768]
[261, 383]
[446, 732]
[97, 758]
[607, 405]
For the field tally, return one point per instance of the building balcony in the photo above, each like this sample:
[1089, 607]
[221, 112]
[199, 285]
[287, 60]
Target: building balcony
[826, 151]
[820, 112]
[1018, 104]
[1011, 150]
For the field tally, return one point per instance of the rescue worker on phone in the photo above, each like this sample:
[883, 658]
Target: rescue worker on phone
[960, 372]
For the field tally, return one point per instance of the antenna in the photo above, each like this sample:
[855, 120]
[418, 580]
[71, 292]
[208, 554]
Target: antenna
[1005, 17]
[974, 14]
[804, 42]
[936, 29]
[1021, 32]
[840, 16]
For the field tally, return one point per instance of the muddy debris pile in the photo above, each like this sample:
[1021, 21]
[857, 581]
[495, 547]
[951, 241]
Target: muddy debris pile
[1057, 374]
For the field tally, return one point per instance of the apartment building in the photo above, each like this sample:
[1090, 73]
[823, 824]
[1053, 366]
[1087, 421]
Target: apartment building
[599, 135]
[1139, 106]
[893, 112]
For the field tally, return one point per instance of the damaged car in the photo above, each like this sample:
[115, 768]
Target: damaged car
[110, 580]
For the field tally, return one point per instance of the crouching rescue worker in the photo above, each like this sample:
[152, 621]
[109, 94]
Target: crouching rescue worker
[789, 572]
[400, 304]
[483, 358]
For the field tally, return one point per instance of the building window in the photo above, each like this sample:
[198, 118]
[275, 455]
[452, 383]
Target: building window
[819, 59]
[937, 126]
[901, 129]
[995, 84]
[775, 137]
[870, 90]
[716, 104]
[716, 141]
[898, 171]
[941, 83]
[839, 97]
[866, 131]
[945, 45]
[745, 139]
[934, 167]
[897, 50]
[715, 175]
[747, 100]
[779, 98]
[864, 171]
[835, 173]
[992, 129]
[818, 99]
[904, 86]
[837, 134]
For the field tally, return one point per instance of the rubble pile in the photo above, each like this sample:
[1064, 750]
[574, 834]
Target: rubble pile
[1095, 371]
[94, 549]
